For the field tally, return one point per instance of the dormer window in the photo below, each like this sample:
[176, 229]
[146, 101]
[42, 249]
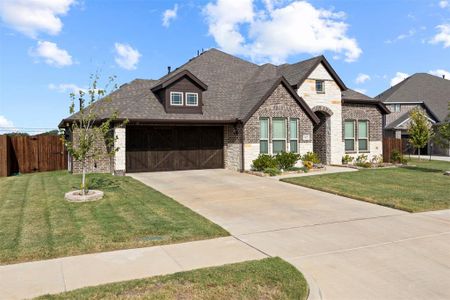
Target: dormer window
[191, 99]
[320, 87]
[176, 98]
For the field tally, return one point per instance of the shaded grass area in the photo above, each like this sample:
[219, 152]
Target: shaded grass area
[270, 278]
[413, 189]
[37, 223]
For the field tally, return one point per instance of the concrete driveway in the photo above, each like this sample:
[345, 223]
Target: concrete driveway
[349, 249]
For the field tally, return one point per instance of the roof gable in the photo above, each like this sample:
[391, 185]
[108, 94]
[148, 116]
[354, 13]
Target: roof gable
[297, 73]
[185, 73]
[274, 83]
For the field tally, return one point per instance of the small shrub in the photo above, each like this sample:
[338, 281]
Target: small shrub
[312, 157]
[361, 158]
[346, 159]
[286, 160]
[272, 171]
[264, 161]
[397, 157]
[308, 164]
[377, 159]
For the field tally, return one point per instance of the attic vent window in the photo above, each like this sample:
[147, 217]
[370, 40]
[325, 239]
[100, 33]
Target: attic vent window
[176, 98]
[191, 99]
[320, 87]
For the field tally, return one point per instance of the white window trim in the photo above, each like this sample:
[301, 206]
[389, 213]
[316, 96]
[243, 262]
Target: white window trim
[182, 100]
[290, 135]
[366, 138]
[285, 131]
[196, 104]
[354, 137]
[268, 135]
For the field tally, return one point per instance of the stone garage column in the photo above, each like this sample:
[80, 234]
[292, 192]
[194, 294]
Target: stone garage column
[119, 158]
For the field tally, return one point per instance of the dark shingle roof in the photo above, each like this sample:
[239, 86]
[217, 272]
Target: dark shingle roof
[421, 87]
[354, 95]
[234, 87]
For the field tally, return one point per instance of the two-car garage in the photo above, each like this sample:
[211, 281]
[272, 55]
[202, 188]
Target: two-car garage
[168, 148]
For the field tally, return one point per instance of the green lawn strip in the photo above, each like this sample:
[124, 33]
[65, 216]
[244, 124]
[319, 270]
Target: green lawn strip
[424, 162]
[37, 223]
[270, 278]
[409, 189]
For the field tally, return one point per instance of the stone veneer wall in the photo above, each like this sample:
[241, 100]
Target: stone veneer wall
[233, 147]
[331, 99]
[102, 164]
[278, 105]
[375, 118]
[120, 155]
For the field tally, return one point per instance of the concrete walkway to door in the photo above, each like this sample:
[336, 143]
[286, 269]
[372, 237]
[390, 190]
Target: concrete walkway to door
[351, 249]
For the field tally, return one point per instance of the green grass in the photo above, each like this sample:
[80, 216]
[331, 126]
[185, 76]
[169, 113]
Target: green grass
[270, 278]
[413, 189]
[429, 164]
[37, 223]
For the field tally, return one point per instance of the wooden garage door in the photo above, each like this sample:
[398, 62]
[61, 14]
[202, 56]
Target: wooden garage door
[161, 148]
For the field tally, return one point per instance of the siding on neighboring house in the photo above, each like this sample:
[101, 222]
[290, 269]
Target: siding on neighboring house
[278, 105]
[404, 108]
[372, 114]
[331, 99]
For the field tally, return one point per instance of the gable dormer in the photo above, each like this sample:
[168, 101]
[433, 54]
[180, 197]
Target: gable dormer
[181, 93]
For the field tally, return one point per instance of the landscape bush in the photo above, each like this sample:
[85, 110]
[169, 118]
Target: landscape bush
[346, 159]
[286, 160]
[264, 161]
[312, 157]
[308, 164]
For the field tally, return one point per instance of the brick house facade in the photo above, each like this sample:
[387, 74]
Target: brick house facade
[220, 126]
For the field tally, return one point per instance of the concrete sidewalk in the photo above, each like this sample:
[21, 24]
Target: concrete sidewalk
[433, 157]
[27, 280]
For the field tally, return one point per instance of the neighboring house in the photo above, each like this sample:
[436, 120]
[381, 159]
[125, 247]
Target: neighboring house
[219, 111]
[429, 93]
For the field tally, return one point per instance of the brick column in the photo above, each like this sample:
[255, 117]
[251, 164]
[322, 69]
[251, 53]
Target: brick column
[119, 158]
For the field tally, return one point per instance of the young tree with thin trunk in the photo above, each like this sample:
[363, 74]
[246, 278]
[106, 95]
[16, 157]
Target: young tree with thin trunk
[419, 129]
[86, 127]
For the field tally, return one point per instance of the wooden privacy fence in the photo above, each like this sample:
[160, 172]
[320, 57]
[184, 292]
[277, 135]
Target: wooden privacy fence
[389, 146]
[27, 154]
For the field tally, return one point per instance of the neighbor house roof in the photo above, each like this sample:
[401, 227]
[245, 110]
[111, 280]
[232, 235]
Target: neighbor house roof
[233, 88]
[433, 91]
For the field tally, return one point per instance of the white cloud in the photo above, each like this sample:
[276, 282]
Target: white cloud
[4, 122]
[51, 54]
[443, 3]
[33, 16]
[276, 32]
[402, 36]
[66, 87]
[169, 15]
[443, 36]
[440, 73]
[361, 78]
[126, 56]
[399, 77]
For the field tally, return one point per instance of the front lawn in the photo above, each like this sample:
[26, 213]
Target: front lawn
[413, 189]
[429, 164]
[37, 223]
[270, 278]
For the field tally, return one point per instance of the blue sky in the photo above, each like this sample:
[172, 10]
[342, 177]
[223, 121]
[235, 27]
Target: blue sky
[48, 47]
